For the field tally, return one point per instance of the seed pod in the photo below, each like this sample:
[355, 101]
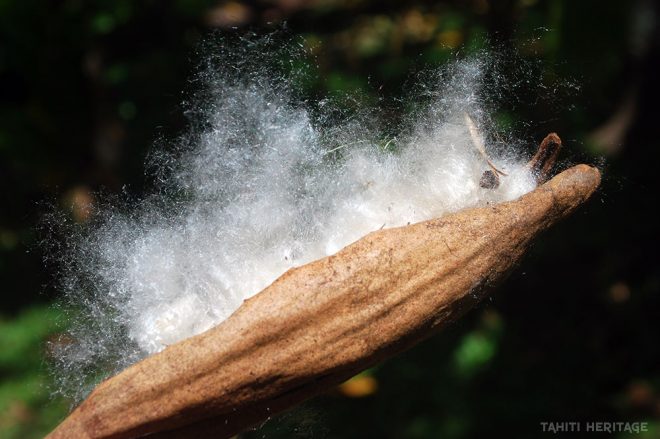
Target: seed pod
[321, 323]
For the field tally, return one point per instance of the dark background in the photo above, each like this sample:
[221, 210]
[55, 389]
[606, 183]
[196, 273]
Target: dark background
[86, 87]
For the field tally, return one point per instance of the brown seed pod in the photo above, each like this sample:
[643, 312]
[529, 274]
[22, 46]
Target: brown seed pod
[321, 323]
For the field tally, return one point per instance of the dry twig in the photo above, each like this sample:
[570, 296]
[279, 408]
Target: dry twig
[478, 142]
[546, 156]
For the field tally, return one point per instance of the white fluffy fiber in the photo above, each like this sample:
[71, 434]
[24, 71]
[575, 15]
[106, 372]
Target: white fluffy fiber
[260, 185]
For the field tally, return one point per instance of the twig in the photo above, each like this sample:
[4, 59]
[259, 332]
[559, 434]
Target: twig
[546, 156]
[479, 144]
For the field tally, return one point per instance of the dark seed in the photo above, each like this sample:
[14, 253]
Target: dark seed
[489, 180]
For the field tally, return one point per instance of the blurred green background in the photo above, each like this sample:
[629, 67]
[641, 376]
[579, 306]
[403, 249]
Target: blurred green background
[87, 86]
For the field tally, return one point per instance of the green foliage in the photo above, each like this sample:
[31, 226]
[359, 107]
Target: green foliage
[474, 352]
[26, 410]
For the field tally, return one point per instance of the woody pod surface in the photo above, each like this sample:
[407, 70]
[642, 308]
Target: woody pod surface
[319, 324]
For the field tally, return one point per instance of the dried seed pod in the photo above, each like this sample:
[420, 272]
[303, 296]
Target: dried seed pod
[321, 323]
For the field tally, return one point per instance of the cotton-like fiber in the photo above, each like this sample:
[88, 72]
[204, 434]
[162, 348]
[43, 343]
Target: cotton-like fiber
[263, 182]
